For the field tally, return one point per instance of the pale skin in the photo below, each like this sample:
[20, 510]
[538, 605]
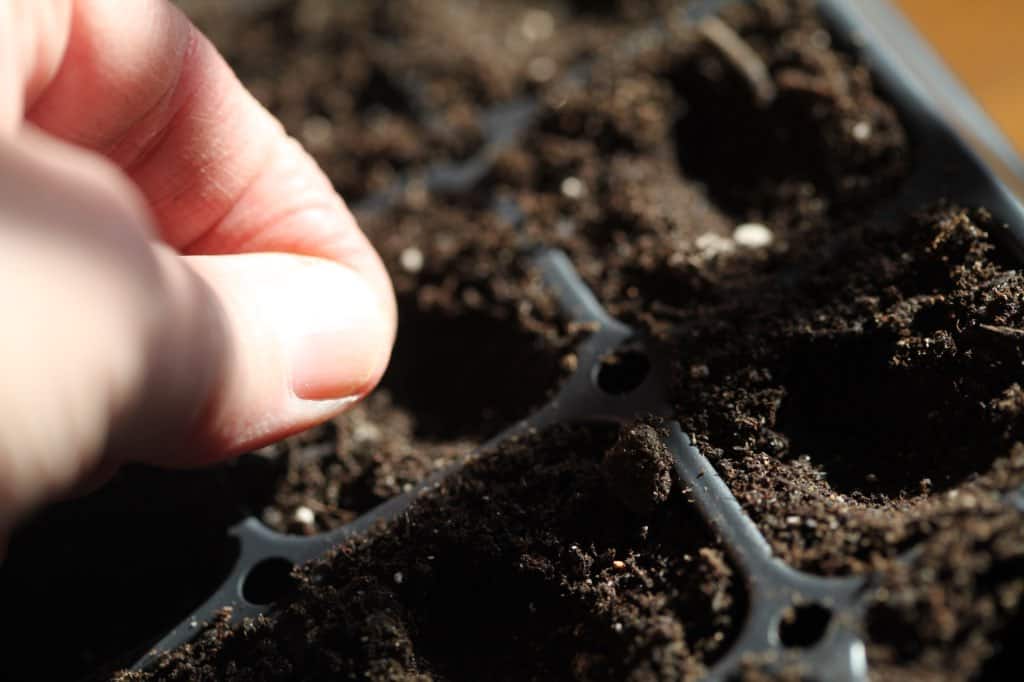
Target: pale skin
[179, 282]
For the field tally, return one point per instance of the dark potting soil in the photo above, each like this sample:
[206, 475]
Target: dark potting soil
[854, 378]
[861, 397]
[102, 557]
[397, 85]
[524, 565]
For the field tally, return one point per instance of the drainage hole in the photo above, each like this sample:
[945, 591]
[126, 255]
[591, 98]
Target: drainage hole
[622, 371]
[267, 581]
[803, 626]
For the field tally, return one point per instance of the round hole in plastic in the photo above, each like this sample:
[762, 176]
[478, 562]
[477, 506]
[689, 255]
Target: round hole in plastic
[804, 625]
[267, 581]
[622, 371]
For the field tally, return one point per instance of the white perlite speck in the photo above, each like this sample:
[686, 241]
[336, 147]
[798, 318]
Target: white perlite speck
[573, 187]
[317, 132]
[398, 577]
[272, 516]
[304, 515]
[541, 69]
[365, 432]
[537, 24]
[861, 130]
[752, 235]
[411, 259]
[711, 244]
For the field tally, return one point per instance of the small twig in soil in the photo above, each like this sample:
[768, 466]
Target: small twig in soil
[742, 56]
[1004, 331]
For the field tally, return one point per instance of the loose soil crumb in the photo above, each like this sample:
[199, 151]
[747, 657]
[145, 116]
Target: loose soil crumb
[638, 468]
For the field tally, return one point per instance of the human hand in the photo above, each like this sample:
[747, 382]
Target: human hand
[178, 280]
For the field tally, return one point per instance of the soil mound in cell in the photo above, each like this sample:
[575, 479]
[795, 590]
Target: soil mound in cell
[521, 566]
[638, 468]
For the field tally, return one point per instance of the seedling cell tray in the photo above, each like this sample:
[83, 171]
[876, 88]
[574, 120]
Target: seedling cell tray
[794, 620]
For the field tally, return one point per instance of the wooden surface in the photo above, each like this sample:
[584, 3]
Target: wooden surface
[983, 42]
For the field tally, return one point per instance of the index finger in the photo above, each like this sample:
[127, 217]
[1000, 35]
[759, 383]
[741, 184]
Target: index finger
[141, 85]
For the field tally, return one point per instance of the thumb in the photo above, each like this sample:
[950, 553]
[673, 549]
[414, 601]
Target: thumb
[306, 337]
[117, 348]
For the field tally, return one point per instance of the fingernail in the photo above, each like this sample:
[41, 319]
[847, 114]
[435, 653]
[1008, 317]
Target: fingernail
[338, 333]
[336, 364]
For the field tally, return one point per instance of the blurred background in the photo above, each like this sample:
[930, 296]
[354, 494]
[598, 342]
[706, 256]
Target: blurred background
[981, 42]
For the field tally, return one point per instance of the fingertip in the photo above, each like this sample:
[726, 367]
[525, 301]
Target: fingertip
[308, 338]
[339, 365]
[339, 341]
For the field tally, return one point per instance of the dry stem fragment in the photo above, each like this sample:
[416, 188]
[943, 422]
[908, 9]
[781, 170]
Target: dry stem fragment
[1002, 330]
[743, 57]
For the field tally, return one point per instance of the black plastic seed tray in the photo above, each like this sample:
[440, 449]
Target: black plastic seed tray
[958, 153]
